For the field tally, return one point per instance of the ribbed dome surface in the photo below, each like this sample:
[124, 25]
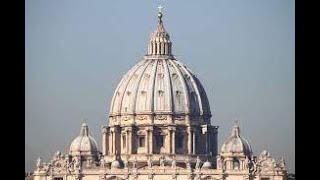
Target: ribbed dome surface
[236, 144]
[159, 86]
[84, 143]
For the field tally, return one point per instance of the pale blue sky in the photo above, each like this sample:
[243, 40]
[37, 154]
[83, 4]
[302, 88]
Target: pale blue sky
[243, 52]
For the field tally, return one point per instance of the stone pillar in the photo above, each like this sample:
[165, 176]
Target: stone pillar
[208, 141]
[189, 140]
[110, 142]
[150, 141]
[158, 48]
[104, 141]
[113, 142]
[147, 140]
[173, 140]
[193, 142]
[129, 140]
[111, 146]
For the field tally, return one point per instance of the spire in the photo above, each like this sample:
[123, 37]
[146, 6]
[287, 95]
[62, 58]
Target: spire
[84, 129]
[236, 130]
[159, 43]
[160, 13]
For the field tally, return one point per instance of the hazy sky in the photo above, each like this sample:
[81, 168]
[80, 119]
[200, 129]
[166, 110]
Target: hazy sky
[76, 52]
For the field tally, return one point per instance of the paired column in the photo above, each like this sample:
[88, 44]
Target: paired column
[105, 141]
[193, 142]
[173, 146]
[149, 140]
[172, 137]
[111, 144]
[114, 142]
[189, 131]
[129, 140]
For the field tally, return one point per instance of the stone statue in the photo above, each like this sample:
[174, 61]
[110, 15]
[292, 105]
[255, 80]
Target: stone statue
[198, 163]
[187, 162]
[162, 159]
[282, 163]
[248, 163]
[272, 163]
[77, 162]
[102, 162]
[57, 155]
[46, 166]
[134, 163]
[89, 163]
[150, 162]
[71, 167]
[265, 155]
[125, 162]
[39, 163]
[173, 162]
[219, 162]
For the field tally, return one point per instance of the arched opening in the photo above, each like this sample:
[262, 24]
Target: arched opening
[124, 141]
[179, 141]
[236, 164]
[159, 141]
[142, 141]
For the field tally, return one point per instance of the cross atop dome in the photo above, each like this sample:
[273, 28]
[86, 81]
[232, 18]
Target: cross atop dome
[160, 14]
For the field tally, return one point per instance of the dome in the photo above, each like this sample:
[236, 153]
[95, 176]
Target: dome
[84, 144]
[236, 144]
[160, 85]
[206, 165]
[115, 164]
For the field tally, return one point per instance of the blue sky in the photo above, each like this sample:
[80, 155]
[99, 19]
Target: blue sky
[243, 52]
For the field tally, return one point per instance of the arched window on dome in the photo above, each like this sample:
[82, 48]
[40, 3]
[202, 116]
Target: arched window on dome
[236, 164]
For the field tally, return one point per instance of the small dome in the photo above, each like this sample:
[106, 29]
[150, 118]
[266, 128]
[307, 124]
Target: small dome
[236, 144]
[206, 165]
[115, 164]
[84, 144]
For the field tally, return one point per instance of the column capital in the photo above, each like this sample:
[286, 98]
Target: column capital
[104, 129]
[128, 129]
[172, 128]
[149, 128]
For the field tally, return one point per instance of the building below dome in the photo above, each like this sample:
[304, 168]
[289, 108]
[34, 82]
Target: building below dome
[160, 128]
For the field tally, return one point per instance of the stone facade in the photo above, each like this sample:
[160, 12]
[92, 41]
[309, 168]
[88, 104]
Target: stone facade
[159, 128]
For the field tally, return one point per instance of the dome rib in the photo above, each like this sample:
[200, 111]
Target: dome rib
[195, 87]
[170, 89]
[183, 86]
[128, 107]
[137, 87]
[131, 73]
[236, 144]
[84, 144]
[118, 87]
